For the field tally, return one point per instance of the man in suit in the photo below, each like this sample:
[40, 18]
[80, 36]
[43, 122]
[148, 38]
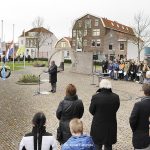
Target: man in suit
[53, 76]
[104, 106]
[139, 121]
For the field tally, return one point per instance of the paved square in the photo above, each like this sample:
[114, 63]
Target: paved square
[18, 105]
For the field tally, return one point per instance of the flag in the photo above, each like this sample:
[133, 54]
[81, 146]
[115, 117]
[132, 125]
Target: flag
[1, 52]
[20, 51]
[10, 50]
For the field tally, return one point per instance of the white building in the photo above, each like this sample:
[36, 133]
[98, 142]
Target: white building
[36, 38]
[132, 51]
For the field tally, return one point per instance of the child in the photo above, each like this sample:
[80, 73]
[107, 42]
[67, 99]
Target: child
[78, 141]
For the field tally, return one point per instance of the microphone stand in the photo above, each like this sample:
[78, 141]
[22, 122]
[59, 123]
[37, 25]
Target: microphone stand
[39, 88]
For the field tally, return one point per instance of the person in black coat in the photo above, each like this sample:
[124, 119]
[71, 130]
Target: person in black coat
[53, 76]
[104, 106]
[71, 107]
[140, 121]
[132, 71]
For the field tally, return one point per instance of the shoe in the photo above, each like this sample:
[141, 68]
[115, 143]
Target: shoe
[53, 91]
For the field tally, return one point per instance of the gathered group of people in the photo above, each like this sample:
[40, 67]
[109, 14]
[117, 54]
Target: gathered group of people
[103, 107]
[126, 70]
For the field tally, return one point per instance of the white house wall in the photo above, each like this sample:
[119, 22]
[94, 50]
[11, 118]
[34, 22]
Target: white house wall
[132, 51]
[48, 46]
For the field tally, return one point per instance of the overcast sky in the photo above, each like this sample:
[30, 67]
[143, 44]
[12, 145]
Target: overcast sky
[59, 15]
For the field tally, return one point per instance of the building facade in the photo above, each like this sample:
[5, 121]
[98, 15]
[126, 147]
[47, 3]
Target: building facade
[101, 36]
[38, 42]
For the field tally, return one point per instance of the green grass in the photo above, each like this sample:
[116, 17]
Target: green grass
[20, 65]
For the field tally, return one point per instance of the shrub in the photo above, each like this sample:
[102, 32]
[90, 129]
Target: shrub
[67, 61]
[29, 78]
[39, 64]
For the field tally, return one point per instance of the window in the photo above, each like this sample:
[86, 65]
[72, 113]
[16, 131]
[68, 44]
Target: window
[85, 43]
[110, 47]
[79, 43]
[112, 23]
[27, 43]
[85, 32]
[22, 42]
[96, 32]
[93, 44]
[34, 42]
[63, 44]
[67, 53]
[88, 23]
[96, 22]
[80, 23]
[73, 43]
[98, 42]
[79, 32]
[74, 33]
[31, 43]
[121, 46]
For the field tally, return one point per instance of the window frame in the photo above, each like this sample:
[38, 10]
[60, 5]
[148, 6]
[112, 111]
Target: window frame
[122, 46]
[96, 32]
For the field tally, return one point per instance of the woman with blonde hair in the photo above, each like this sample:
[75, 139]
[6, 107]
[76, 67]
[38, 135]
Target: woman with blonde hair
[69, 108]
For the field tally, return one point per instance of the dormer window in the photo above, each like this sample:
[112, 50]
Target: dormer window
[112, 23]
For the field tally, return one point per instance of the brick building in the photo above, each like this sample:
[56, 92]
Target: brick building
[102, 36]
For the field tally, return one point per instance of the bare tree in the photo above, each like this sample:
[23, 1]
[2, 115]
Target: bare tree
[38, 22]
[41, 34]
[142, 31]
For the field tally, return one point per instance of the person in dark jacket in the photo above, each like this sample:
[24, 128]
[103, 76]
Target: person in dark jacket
[71, 107]
[78, 140]
[132, 71]
[140, 121]
[104, 106]
[53, 76]
[38, 139]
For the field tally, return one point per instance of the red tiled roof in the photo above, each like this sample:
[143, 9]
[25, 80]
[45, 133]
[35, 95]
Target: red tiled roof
[117, 26]
[40, 29]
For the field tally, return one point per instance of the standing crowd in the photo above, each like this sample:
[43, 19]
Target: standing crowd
[103, 107]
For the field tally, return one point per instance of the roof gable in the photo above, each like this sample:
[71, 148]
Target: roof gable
[117, 26]
[40, 29]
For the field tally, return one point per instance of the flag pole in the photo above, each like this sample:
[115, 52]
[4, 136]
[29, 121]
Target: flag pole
[1, 41]
[24, 50]
[13, 49]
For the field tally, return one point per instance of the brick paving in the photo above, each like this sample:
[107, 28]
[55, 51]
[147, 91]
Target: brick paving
[18, 105]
